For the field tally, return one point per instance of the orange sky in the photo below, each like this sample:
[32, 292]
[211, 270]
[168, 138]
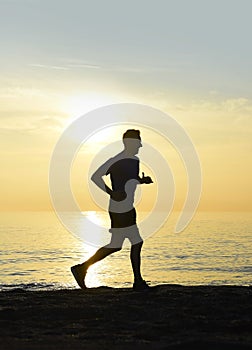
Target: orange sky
[196, 72]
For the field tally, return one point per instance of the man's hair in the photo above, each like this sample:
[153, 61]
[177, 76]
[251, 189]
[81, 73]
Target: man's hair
[132, 134]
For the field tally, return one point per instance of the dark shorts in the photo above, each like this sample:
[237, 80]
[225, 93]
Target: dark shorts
[121, 220]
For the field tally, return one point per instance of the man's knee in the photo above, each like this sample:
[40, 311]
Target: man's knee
[114, 249]
[117, 249]
[137, 245]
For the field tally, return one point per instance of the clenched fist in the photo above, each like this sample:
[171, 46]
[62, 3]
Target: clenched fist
[145, 179]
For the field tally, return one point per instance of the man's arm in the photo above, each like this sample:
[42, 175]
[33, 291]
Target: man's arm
[97, 177]
[98, 180]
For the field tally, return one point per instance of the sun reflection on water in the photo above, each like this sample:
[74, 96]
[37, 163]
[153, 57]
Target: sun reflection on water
[94, 275]
[36, 250]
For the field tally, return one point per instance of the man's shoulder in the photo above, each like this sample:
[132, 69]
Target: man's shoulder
[121, 156]
[119, 160]
[112, 161]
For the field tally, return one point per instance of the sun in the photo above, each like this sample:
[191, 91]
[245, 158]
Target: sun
[78, 104]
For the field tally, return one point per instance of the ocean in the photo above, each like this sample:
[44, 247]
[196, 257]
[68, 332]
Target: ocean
[37, 252]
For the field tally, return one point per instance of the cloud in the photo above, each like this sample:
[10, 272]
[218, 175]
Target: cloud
[142, 69]
[27, 122]
[236, 104]
[44, 66]
[20, 91]
[218, 105]
[84, 65]
[65, 67]
[110, 67]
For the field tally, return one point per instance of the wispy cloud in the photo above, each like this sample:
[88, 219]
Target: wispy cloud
[32, 122]
[44, 66]
[109, 67]
[142, 69]
[85, 66]
[233, 106]
[65, 67]
[20, 91]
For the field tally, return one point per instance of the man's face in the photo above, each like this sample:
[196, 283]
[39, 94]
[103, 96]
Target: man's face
[132, 145]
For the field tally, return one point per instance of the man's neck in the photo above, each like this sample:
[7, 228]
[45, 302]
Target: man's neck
[128, 154]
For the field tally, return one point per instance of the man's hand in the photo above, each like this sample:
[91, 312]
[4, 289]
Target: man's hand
[145, 179]
[118, 195]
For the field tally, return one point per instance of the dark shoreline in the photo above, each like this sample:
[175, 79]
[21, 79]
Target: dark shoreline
[167, 317]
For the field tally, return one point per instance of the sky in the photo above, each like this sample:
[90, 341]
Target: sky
[190, 59]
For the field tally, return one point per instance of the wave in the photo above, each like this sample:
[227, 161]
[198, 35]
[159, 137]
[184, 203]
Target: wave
[33, 286]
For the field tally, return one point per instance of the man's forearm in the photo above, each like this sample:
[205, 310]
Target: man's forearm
[101, 184]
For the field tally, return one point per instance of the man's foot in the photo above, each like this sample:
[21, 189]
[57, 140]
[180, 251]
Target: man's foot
[140, 286]
[79, 273]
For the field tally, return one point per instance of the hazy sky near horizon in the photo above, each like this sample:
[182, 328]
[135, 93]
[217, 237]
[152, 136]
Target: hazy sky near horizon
[191, 59]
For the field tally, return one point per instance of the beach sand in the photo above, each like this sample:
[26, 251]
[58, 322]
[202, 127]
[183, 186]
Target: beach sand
[166, 317]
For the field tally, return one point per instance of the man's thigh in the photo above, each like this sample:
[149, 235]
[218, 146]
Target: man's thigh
[120, 234]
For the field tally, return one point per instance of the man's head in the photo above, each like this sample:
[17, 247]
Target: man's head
[132, 141]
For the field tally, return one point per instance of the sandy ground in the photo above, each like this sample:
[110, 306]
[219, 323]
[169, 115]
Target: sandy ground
[166, 317]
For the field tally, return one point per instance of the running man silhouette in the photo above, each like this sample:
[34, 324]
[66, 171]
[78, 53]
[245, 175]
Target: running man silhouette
[124, 175]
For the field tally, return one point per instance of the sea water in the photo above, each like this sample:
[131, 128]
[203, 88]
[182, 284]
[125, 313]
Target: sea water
[37, 251]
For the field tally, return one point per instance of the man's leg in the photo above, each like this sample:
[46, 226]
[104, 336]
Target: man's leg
[135, 257]
[100, 254]
[79, 271]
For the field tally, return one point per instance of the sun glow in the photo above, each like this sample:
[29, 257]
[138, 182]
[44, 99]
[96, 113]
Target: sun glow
[94, 276]
[79, 104]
